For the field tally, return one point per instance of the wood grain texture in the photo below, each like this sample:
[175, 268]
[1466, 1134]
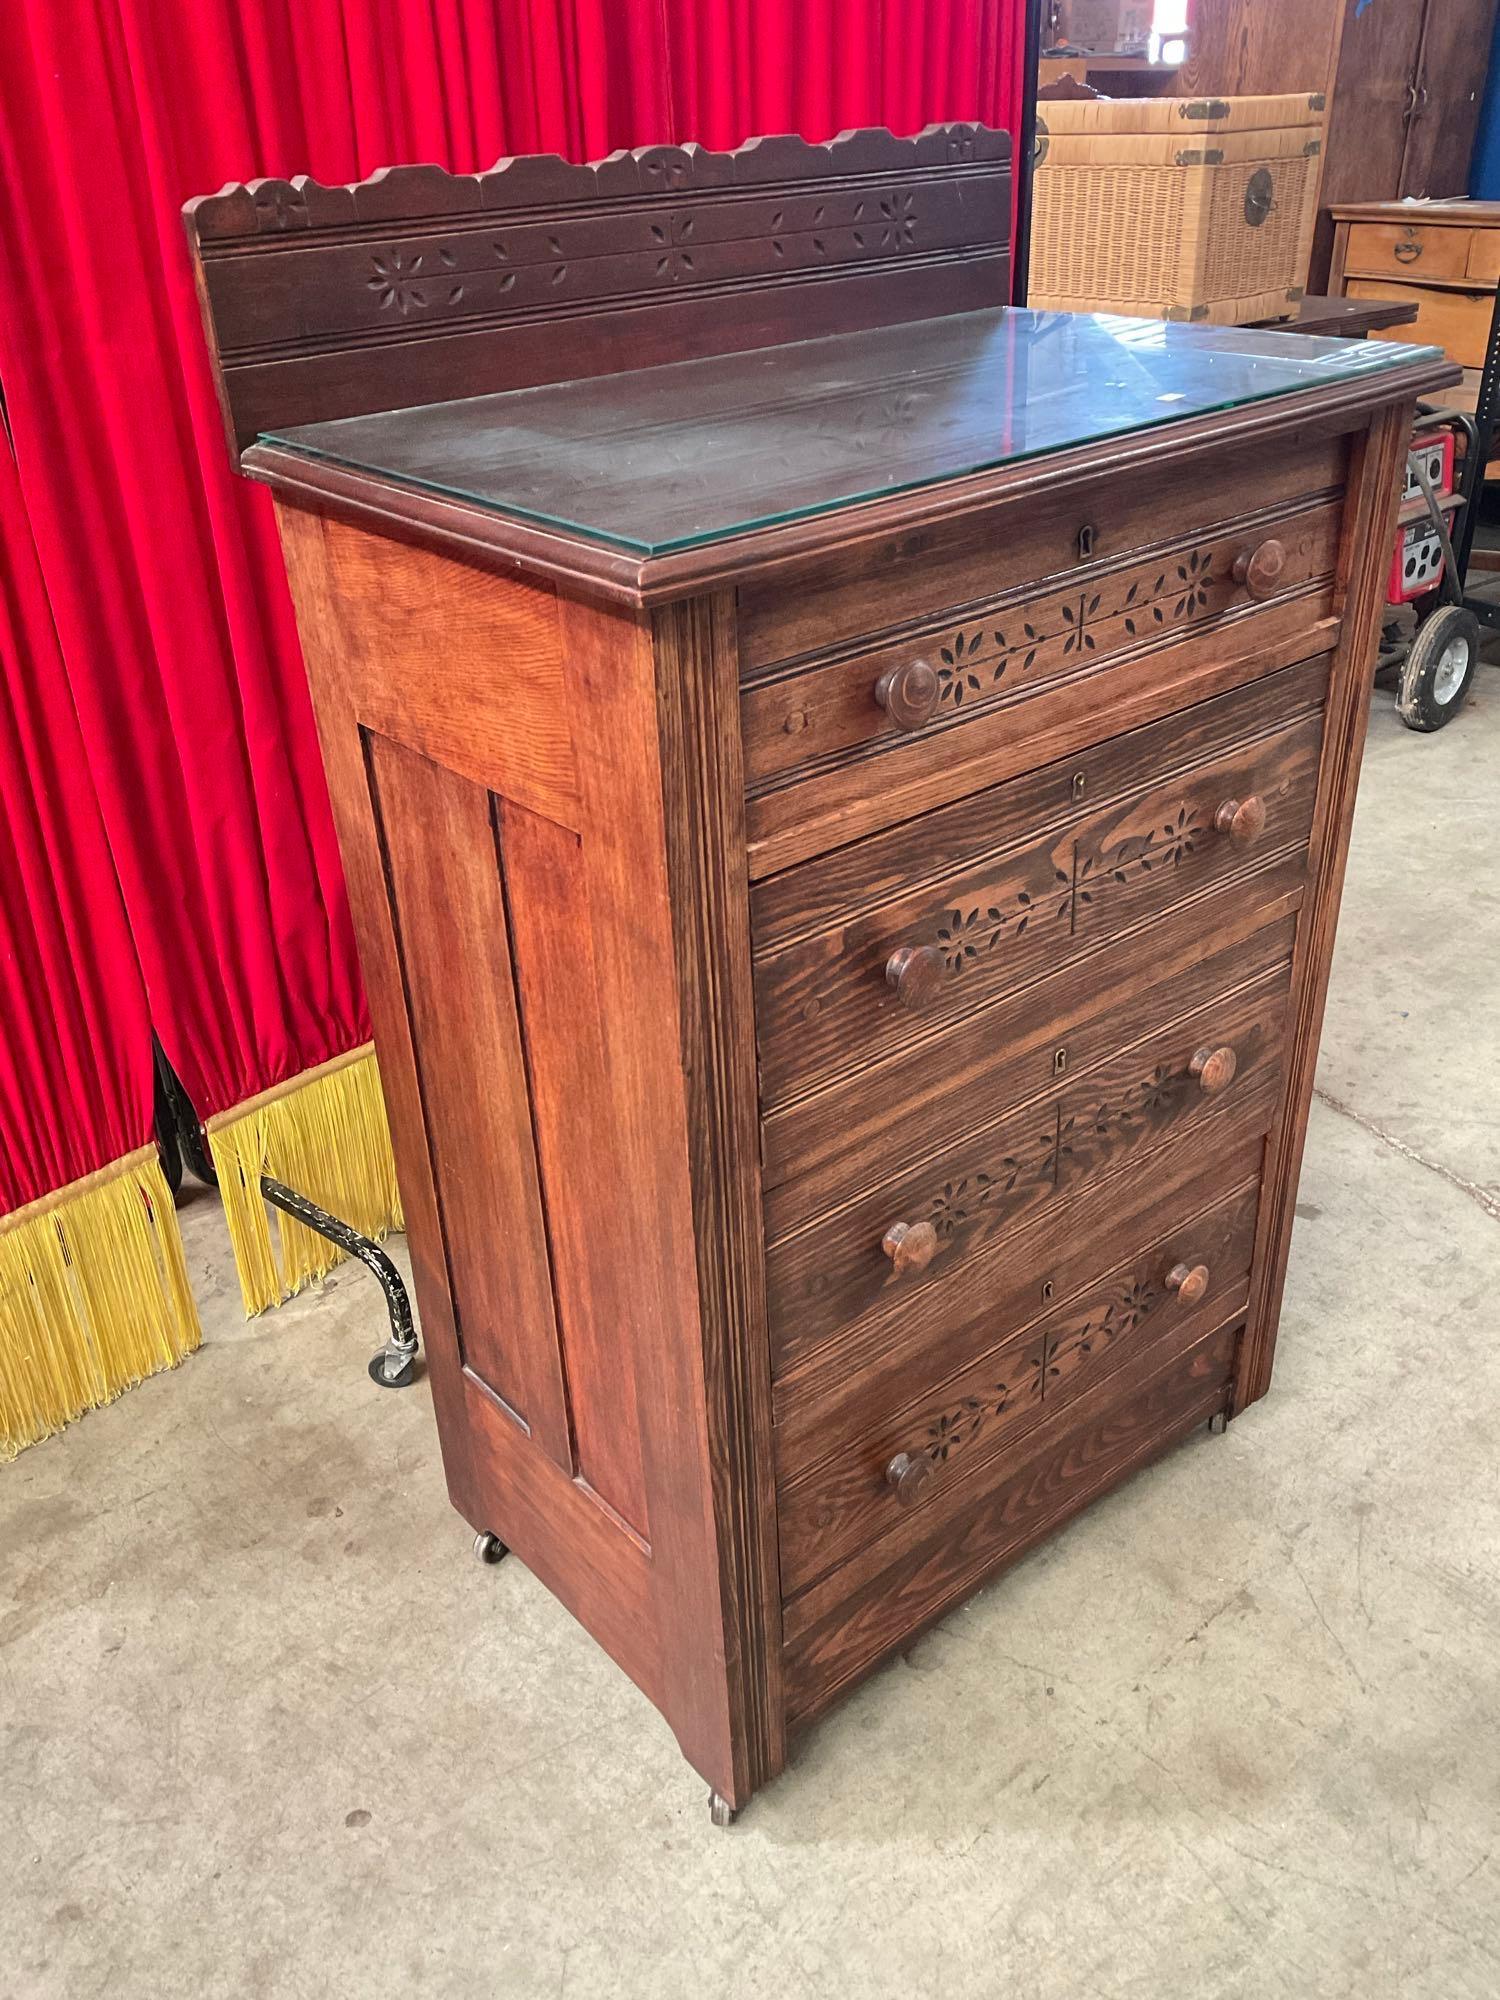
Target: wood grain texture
[703, 807]
[1004, 653]
[419, 286]
[862, 873]
[890, 1592]
[437, 834]
[821, 1149]
[900, 583]
[863, 1370]
[963, 1423]
[574, 931]
[998, 919]
[779, 552]
[831, 1274]
[1370, 524]
[1252, 48]
[764, 1330]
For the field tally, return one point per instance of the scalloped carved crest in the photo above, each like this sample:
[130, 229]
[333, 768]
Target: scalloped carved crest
[545, 180]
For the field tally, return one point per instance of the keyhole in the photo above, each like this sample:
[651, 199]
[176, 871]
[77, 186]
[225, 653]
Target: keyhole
[1047, 1290]
[1086, 539]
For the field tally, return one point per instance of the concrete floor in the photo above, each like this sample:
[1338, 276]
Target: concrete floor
[266, 1729]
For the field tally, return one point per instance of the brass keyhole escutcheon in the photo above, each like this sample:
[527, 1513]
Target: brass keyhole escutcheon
[1088, 537]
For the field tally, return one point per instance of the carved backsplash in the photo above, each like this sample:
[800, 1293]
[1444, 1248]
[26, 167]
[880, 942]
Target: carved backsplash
[418, 285]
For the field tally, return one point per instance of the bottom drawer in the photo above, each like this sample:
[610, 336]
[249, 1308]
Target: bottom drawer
[837, 1630]
[909, 1463]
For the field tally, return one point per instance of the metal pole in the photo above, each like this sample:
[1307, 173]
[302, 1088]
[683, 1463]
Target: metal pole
[1023, 163]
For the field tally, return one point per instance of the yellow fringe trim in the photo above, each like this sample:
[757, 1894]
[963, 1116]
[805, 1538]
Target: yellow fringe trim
[93, 1297]
[325, 1134]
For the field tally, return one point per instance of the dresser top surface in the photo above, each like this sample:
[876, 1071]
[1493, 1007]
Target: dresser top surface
[682, 456]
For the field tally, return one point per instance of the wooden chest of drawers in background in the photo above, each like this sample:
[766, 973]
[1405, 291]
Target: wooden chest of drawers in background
[1443, 257]
[845, 840]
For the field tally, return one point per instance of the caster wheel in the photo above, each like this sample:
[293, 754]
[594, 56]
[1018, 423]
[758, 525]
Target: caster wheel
[1439, 668]
[489, 1549]
[720, 1811]
[1218, 1423]
[403, 1378]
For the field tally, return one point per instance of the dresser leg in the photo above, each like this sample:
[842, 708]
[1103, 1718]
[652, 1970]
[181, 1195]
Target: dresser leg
[1218, 1423]
[720, 1811]
[489, 1549]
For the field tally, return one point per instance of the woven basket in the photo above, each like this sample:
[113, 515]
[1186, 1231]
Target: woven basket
[1175, 207]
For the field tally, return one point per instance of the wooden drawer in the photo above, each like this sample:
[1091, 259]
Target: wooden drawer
[863, 1258]
[1484, 256]
[1457, 321]
[918, 1448]
[1006, 681]
[1410, 249]
[1020, 881]
[924, 573]
[891, 1590]
[818, 1151]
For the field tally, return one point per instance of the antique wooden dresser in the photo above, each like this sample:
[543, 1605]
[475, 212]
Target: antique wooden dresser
[844, 789]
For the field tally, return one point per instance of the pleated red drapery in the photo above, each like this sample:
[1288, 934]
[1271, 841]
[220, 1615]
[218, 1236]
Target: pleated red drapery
[160, 567]
[93, 1294]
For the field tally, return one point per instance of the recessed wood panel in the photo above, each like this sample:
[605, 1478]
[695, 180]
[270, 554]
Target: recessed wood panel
[439, 837]
[562, 1021]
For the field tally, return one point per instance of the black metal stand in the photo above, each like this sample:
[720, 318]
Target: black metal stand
[394, 1367]
[179, 1140]
[1479, 437]
[1023, 157]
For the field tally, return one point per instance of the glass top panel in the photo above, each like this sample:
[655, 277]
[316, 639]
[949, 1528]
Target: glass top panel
[664, 458]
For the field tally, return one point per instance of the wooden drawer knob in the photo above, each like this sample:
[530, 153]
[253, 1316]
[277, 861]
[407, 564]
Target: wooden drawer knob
[1244, 820]
[909, 1477]
[910, 1246]
[1259, 569]
[1188, 1281]
[909, 695]
[914, 972]
[1214, 1069]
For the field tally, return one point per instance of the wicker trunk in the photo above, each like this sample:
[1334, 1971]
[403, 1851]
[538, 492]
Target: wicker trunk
[1176, 207]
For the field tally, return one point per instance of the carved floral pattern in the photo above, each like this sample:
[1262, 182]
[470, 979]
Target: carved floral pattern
[960, 1201]
[1121, 1315]
[958, 1426]
[676, 260]
[952, 1429]
[397, 281]
[974, 660]
[1165, 846]
[966, 934]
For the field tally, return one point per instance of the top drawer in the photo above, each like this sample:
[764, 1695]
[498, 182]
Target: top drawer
[1411, 249]
[785, 619]
[1028, 658]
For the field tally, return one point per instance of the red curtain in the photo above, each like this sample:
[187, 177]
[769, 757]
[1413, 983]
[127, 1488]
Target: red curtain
[76, 1029]
[160, 567]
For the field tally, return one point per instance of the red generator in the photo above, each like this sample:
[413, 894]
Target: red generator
[1432, 637]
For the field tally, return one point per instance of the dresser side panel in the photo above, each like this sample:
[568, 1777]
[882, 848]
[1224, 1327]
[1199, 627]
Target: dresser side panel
[517, 942]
